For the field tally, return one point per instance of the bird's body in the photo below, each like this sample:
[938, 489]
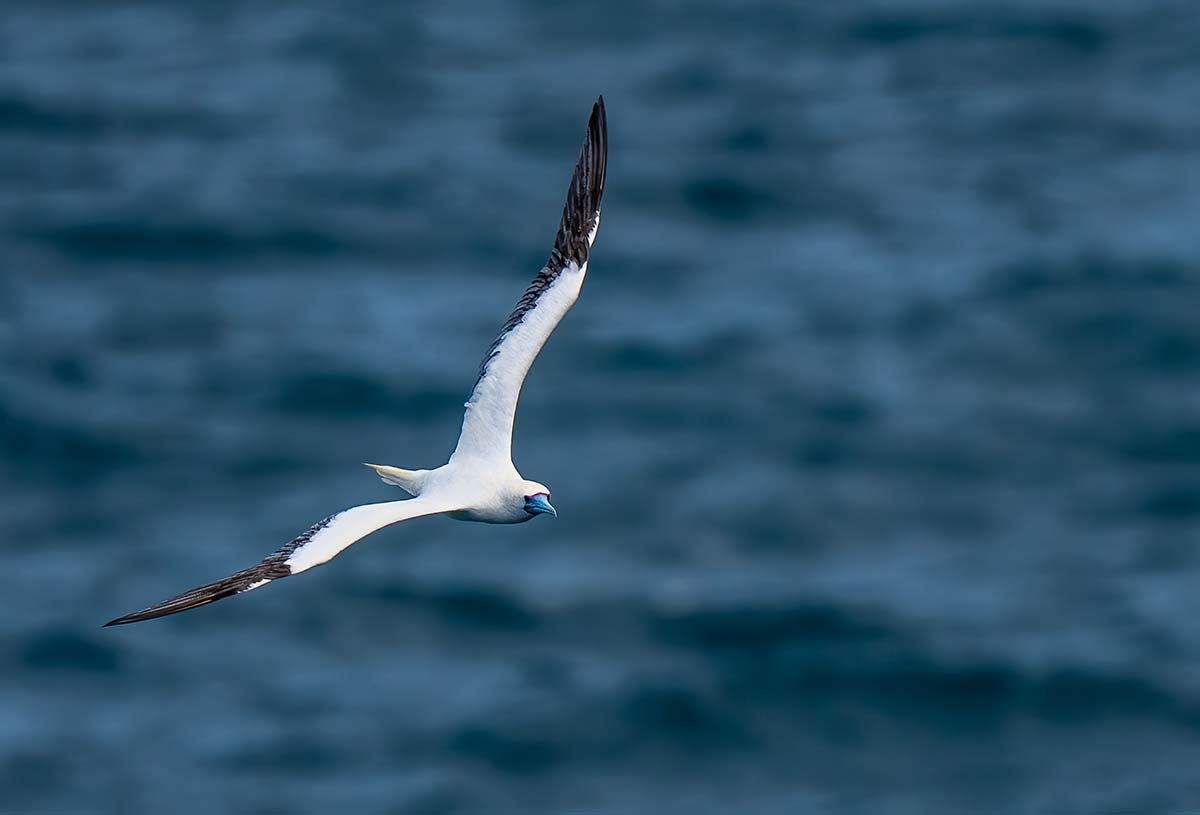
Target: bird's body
[479, 482]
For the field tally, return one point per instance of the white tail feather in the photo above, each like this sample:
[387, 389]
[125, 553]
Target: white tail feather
[411, 481]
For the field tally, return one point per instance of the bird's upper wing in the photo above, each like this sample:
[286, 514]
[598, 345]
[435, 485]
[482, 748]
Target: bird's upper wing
[488, 423]
[323, 541]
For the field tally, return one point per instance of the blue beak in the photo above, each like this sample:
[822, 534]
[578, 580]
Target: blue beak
[539, 504]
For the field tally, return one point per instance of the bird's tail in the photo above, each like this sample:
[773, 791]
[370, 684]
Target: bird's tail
[411, 481]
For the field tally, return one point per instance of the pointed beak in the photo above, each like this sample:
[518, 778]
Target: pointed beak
[539, 504]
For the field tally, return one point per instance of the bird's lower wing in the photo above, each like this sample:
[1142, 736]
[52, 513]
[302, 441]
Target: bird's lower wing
[322, 542]
[488, 423]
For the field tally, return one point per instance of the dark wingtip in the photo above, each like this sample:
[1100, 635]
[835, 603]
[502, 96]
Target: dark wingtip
[585, 192]
[598, 140]
[126, 620]
[598, 122]
[122, 621]
[137, 617]
[197, 597]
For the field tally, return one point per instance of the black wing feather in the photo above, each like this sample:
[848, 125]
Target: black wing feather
[273, 567]
[578, 219]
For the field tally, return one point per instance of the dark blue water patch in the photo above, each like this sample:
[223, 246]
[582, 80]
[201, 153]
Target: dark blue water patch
[1172, 502]
[1071, 32]
[760, 629]
[350, 395]
[747, 135]
[1174, 443]
[828, 433]
[512, 749]
[481, 607]
[739, 192]
[746, 138]
[831, 323]
[635, 356]
[46, 447]
[1173, 350]
[925, 322]
[632, 411]
[142, 326]
[81, 120]
[470, 606]
[773, 656]
[1138, 334]
[730, 199]
[823, 453]
[847, 410]
[149, 240]
[1012, 185]
[252, 465]
[659, 415]
[1092, 316]
[380, 84]
[447, 800]
[69, 651]
[74, 172]
[697, 77]
[651, 717]
[517, 255]
[654, 271]
[956, 696]
[28, 774]
[288, 755]
[1031, 279]
[1071, 695]
[549, 672]
[1112, 323]
[71, 369]
[951, 457]
[24, 115]
[70, 526]
[775, 530]
[553, 133]
[675, 714]
[1085, 130]
[385, 191]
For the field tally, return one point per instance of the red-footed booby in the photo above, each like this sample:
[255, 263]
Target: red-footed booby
[479, 482]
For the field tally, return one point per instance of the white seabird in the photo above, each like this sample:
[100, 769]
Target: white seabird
[479, 482]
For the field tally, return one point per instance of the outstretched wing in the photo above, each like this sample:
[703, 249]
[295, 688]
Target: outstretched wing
[488, 423]
[322, 542]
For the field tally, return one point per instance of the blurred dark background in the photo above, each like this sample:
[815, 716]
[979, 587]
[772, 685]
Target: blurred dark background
[875, 435]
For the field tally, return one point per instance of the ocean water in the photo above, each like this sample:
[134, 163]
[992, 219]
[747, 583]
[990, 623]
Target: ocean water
[875, 434]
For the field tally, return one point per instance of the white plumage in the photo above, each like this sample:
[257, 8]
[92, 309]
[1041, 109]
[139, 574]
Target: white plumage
[479, 482]
[490, 412]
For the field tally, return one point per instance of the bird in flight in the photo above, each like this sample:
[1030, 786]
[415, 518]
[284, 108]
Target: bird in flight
[479, 482]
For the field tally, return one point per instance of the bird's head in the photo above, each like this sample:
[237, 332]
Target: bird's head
[537, 499]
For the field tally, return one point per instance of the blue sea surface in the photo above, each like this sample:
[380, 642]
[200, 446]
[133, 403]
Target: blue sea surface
[874, 436]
